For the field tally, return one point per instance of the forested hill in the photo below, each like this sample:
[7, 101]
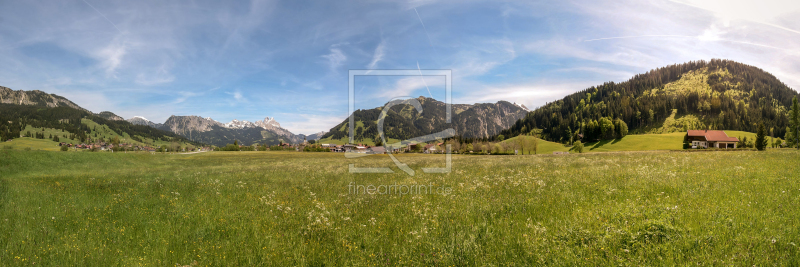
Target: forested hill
[716, 94]
[15, 118]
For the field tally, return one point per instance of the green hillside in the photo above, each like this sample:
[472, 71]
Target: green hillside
[29, 143]
[77, 126]
[716, 94]
[544, 146]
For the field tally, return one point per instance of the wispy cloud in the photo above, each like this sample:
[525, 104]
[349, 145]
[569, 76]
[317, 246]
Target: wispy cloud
[159, 76]
[111, 57]
[335, 59]
[377, 56]
[404, 87]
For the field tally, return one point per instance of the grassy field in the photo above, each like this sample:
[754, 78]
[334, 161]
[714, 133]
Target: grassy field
[23, 143]
[670, 141]
[291, 208]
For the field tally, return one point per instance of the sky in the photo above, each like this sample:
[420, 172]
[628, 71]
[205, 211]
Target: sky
[248, 60]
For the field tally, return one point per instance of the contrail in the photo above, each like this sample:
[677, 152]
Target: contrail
[637, 36]
[691, 37]
[423, 27]
[104, 16]
[423, 80]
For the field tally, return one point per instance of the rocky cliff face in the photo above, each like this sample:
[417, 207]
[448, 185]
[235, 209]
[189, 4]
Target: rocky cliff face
[484, 120]
[404, 122]
[183, 125]
[108, 115]
[35, 98]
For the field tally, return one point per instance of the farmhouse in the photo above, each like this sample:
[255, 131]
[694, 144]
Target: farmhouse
[711, 138]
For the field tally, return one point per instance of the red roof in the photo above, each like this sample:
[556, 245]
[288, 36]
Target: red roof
[713, 135]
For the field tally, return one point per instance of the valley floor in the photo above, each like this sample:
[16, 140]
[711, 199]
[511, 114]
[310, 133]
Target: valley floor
[289, 208]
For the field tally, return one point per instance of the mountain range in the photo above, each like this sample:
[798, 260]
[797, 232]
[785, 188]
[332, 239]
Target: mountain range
[194, 128]
[402, 121]
[209, 131]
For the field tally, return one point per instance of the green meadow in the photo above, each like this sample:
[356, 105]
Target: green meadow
[638, 142]
[294, 208]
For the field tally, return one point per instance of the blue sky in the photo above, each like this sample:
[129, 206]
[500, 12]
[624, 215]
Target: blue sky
[248, 60]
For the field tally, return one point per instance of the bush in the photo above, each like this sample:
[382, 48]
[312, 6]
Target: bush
[578, 147]
[64, 148]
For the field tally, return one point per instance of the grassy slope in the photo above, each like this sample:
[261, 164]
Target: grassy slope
[545, 147]
[669, 141]
[229, 208]
[32, 143]
[50, 131]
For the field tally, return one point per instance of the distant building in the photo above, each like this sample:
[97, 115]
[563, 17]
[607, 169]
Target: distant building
[711, 138]
[348, 148]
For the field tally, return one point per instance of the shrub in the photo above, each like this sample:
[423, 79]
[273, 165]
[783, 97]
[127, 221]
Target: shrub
[578, 147]
[64, 148]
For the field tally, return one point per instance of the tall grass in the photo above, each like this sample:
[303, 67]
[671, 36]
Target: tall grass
[288, 208]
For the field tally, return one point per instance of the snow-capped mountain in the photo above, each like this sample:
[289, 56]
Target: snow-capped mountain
[210, 131]
[268, 123]
[237, 124]
[521, 106]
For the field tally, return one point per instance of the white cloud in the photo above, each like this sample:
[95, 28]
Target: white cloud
[335, 59]
[111, 57]
[764, 11]
[310, 123]
[404, 87]
[531, 94]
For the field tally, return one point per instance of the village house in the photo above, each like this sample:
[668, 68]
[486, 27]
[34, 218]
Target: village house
[431, 148]
[710, 138]
[348, 148]
[328, 146]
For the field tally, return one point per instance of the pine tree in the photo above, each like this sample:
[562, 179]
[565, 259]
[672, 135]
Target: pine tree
[794, 125]
[761, 140]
